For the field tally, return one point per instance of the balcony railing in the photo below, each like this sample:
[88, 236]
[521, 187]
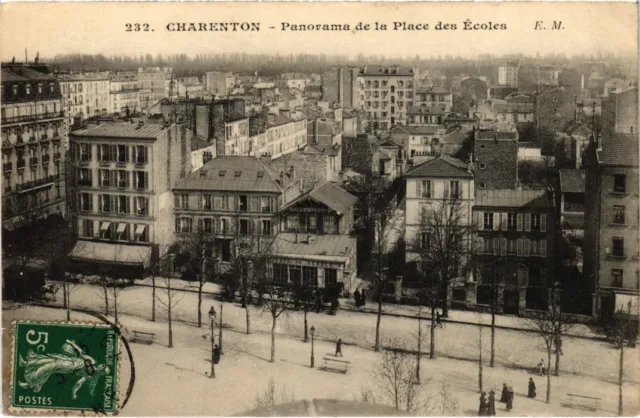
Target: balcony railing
[36, 183]
[30, 118]
[56, 156]
[46, 159]
[21, 164]
[33, 161]
[7, 167]
[84, 182]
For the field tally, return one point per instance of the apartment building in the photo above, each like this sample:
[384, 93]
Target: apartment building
[219, 83]
[434, 97]
[120, 182]
[33, 151]
[340, 85]
[514, 247]
[386, 93]
[620, 111]
[275, 135]
[611, 223]
[124, 95]
[84, 95]
[159, 80]
[508, 74]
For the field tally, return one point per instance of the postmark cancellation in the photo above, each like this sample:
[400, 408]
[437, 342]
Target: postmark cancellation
[69, 368]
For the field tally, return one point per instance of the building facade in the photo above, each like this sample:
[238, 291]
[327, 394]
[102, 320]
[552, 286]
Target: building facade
[159, 80]
[386, 93]
[84, 95]
[554, 108]
[219, 83]
[120, 182]
[508, 74]
[275, 135]
[33, 146]
[620, 111]
[340, 85]
[496, 159]
[434, 97]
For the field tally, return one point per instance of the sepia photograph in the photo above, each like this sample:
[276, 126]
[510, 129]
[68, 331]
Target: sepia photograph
[320, 209]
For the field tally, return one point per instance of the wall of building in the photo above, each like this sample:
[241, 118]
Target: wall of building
[496, 166]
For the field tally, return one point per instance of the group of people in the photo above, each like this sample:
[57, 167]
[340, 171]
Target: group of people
[487, 406]
[360, 297]
[507, 396]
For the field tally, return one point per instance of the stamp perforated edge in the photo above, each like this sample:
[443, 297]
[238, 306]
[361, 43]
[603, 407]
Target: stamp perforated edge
[60, 411]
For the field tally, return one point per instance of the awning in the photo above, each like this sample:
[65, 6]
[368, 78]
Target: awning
[140, 229]
[121, 228]
[104, 226]
[627, 303]
[104, 252]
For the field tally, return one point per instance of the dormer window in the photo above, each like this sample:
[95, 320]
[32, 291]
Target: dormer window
[28, 88]
[222, 173]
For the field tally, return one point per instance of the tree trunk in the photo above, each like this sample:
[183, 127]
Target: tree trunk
[620, 375]
[153, 298]
[480, 359]
[493, 337]
[548, 374]
[64, 293]
[377, 346]
[557, 367]
[419, 346]
[106, 299]
[273, 340]
[306, 337]
[220, 330]
[445, 290]
[115, 303]
[432, 348]
[169, 311]
[68, 304]
[201, 284]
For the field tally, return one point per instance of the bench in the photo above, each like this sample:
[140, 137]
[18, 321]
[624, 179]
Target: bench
[582, 402]
[143, 337]
[333, 364]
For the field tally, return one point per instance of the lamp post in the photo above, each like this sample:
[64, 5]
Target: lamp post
[313, 333]
[212, 318]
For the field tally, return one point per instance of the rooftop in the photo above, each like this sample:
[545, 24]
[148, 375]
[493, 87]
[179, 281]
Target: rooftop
[122, 130]
[322, 246]
[496, 135]
[619, 150]
[572, 180]
[417, 130]
[514, 198]
[379, 70]
[442, 166]
[433, 90]
[24, 73]
[237, 173]
[427, 110]
[330, 195]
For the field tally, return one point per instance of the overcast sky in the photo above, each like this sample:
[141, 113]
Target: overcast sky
[53, 28]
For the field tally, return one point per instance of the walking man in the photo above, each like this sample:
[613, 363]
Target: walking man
[339, 347]
[438, 320]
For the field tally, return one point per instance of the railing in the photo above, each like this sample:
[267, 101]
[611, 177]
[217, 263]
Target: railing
[33, 161]
[84, 182]
[29, 118]
[7, 167]
[56, 156]
[21, 164]
[36, 183]
[46, 159]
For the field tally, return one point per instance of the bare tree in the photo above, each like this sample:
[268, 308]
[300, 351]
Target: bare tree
[60, 263]
[420, 338]
[273, 395]
[621, 331]
[303, 299]
[278, 299]
[25, 210]
[445, 403]
[550, 325]
[167, 268]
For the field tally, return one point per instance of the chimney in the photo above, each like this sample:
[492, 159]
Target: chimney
[308, 239]
[296, 238]
[286, 112]
[271, 118]
[315, 131]
[292, 172]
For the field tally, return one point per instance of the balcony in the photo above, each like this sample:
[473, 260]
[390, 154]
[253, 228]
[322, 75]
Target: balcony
[30, 185]
[56, 156]
[7, 167]
[31, 118]
[21, 164]
[84, 182]
[33, 161]
[46, 158]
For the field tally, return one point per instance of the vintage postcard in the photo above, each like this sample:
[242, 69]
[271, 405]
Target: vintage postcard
[332, 209]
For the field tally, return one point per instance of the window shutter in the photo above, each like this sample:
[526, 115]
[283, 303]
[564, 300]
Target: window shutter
[519, 250]
[480, 245]
[128, 205]
[460, 190]
[177, 222]
[480, 216]
[543, 223]
[496, 242]
[543, 248]
[527, 222]
[200, 202]
[503, 246]
[200, 225]
[519, 221]
[446, 190]
[146, 180]
[146, 155]
[496, 221]
[190, 224]
[113, 152]
[217, 202]
[504, 221]
[418, 188]
[176, 201]
[527, 248]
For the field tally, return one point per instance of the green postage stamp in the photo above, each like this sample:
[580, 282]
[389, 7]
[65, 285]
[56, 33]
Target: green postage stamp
[64, 367]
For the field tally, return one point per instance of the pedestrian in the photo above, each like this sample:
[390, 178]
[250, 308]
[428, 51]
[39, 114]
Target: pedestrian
[532, 388]
[541, 367]
[482, 410]
[339, 347]
[505, 393]
[510, 398]
[363, 298]
[439, 320]
[216, 354]
[559, 345]
[491, 404]
[356, 296]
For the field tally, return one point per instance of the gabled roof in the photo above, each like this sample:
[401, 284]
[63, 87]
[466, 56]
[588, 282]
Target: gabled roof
[572, 180]
[388, 142]
[320, 247]
[619, 150]
[327, 194]
[232, 173]
[443, 166]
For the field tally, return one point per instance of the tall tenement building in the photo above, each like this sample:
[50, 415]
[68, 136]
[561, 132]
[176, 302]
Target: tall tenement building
[340, 85]
[120, 181]
[386, 93]
[33, 155]
[508, 74]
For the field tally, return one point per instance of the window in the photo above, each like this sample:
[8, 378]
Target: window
[141, 233]
[183, 224]
[243, 203]
[122, 233]
[142, 156]
[511, 221]
[511, 246]
[527, 222]
[425, 240]
[123, 153]
[105, 203]
[330, 225]
[616, 277]
[618, 215]
[292, 223]
[244, 226]
[266, 227]
[39, 88]
[424, 188]
[207, 225]
[182, 201]
[105, 176]
[142, 204]
[619, 183]
[483, 166]
[480, 245]
[106, 230]
[85, 202]
[224, 226]
[527, 247]
[104, 153]
[265, 204]
[310, 276]
[456, 192]
[330, 276]
[488, 221]
[85, 152]
[123, 205]
[295, 274]
[142, 180]
[123, 179]
[206, 201]
[87, 228]
[84, 177]
[280, 273]
[28, 88]
[618, 247]
[537, 221]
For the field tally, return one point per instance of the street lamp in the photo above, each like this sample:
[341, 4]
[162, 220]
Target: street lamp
[212, 319]
[313, 333]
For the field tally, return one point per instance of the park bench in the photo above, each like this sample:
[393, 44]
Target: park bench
[333, 364]
[143, 337]
[583, 402]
